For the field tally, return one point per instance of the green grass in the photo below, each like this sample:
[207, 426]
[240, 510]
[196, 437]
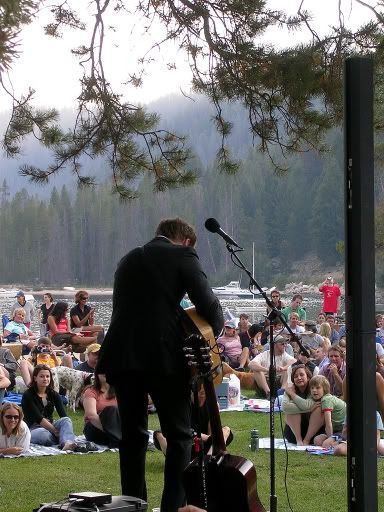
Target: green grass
[315, 482]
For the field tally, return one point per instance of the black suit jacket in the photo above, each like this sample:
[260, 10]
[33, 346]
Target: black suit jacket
[145, 332]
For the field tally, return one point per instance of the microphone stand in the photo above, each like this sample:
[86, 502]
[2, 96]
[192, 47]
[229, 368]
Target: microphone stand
[274, 313]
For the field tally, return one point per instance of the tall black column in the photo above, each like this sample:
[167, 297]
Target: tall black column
[360, 285]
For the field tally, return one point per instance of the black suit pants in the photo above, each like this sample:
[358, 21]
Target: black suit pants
[171, 396]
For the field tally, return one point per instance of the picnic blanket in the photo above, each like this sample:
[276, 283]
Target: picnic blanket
[253, 405]
[35, 450]
[265, 443]
[12, 397]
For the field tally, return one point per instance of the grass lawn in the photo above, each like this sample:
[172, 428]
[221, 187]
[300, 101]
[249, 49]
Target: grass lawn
[316, 483]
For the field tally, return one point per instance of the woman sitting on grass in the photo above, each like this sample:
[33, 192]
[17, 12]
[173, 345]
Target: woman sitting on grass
[60, 333]
[15, 435]
[301, 424]
[43, 353]
[101, 415]
[39, 403]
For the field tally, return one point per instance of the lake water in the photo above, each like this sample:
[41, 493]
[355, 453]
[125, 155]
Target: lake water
[103, 307]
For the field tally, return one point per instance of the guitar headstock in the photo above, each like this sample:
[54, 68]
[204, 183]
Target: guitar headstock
[197, 352]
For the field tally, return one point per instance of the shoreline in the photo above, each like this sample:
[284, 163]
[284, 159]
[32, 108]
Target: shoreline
[59, 291]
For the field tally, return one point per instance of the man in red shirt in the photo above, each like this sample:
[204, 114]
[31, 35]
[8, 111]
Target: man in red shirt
[331, 293]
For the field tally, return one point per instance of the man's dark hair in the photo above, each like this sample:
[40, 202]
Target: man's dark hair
[297, 296]
[176, 229]
[254, 329]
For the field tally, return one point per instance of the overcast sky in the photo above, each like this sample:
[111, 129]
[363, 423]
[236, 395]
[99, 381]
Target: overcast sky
[47, 65]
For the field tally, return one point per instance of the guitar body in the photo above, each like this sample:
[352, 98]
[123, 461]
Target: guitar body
[230, 484]
[197, 325]
[219, 482]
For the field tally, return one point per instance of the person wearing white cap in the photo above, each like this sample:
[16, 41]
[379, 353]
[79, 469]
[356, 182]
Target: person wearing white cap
[260, 365]
[89, 365]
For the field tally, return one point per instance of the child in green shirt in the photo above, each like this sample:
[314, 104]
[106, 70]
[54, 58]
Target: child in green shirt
[333, 408]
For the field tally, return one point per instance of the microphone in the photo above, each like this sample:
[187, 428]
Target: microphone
[214, 227]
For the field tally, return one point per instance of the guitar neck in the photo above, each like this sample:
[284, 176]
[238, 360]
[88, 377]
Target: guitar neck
[218, 443]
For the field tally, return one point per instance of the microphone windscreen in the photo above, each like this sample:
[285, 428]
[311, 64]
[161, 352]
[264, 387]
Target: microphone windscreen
[212, 225]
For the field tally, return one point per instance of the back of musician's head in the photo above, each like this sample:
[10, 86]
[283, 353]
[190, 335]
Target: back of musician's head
[176, 229]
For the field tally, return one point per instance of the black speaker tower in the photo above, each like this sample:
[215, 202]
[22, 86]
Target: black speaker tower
[360, 285]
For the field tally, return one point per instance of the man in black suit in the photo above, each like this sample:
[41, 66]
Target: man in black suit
[150, 282]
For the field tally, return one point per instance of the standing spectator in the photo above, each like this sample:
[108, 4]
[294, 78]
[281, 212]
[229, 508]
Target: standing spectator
[331, 296]
[335, 370]
[43, 312]
[295, 306]
[29, 310]
[89, 365]
[82, 317]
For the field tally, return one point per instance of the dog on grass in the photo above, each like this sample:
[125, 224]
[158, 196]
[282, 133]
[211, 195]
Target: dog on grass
[247, 379]
[74, 381]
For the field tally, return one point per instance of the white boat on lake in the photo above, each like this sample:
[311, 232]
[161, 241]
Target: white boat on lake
[232, 290]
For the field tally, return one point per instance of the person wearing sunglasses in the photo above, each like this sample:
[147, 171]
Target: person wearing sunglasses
[82, 317]
[15, 436]
[276, 301]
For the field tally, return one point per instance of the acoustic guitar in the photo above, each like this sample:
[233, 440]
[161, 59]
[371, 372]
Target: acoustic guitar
[195, 324]
[218, 482]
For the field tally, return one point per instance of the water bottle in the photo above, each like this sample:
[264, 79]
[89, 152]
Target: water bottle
[254, 440]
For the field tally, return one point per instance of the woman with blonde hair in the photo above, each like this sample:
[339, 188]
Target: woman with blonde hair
[15, 436]
[325, 330]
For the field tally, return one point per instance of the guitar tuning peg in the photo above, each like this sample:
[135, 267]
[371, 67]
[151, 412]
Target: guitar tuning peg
[187, 349]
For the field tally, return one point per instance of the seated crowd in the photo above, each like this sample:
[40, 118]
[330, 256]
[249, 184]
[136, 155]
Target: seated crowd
[33, 421]
[312, 386]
